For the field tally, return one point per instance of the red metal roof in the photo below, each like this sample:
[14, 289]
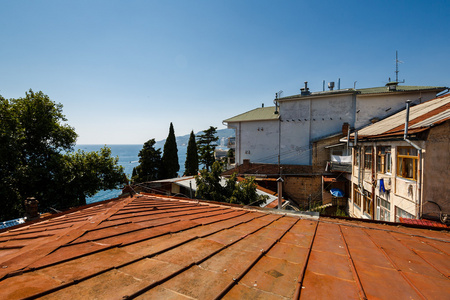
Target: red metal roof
[423, 222]
[151, 247]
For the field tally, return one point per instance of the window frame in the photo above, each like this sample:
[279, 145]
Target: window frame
[404, 160]
[384, 208]
[368, 198]
[356, 196]
[404, 214]
[368, 157]
[384, 159]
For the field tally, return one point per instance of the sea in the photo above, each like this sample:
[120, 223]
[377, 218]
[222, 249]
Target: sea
[128, 158]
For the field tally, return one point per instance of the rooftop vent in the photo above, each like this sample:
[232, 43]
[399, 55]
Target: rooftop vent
[331, 85]
[392, 85]
[305, 90]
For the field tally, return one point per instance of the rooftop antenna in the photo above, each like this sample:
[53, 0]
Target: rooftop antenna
[396, 67]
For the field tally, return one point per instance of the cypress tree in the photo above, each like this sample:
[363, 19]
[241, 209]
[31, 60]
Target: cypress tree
[191, 164]
[170, 165]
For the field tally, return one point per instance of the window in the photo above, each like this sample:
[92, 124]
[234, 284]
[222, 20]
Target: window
[407, 159]
[368, 158]
[356, 196]
[400, 213]
[367, 202]
[384, 159]
[384, 208]
[356, 156]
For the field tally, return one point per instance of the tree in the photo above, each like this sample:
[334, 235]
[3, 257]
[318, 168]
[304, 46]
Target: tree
[83, 174]
[35, 147]
[209, 187]
[206, 146]
[149, 167]
[170, 165]
[191, 164]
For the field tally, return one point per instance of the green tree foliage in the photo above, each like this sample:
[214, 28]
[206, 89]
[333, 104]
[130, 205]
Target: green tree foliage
[170, 165]
[35, 147]
[191, 164]
[85, 173]
[206, 144]
[149, 167]
[209, 187]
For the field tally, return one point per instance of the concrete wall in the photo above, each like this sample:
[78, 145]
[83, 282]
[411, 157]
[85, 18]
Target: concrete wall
[436, 179]
[305, 119]
[383, 105]
[256, 141]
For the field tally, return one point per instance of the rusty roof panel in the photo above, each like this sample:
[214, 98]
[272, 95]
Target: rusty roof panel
[149, 247]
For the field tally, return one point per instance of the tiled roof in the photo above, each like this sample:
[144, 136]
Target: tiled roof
[421, 117]
[423, 222]
[150, 247]
[262, 113]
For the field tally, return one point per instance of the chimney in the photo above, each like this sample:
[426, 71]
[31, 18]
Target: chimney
[331, 85]
[31, 208]
[345, 128]
[305, 90]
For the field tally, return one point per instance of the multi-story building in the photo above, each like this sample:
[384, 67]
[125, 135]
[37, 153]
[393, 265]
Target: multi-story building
[403, 174]
[284, 134]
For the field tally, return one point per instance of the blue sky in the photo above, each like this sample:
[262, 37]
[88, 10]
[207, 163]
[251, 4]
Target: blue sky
[124, 70]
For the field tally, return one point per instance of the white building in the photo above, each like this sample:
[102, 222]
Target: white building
[285, 133]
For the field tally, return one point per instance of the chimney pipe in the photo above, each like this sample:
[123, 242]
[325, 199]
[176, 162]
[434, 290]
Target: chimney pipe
[408, 104]
[331, 85]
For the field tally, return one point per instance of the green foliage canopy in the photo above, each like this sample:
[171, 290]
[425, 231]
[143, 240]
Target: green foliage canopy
[36, 159]
[206, 144]
[209, 187]
[149, 167]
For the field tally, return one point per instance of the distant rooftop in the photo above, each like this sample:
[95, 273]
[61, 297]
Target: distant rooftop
[369, 91]
[152, 247]
[257, 114]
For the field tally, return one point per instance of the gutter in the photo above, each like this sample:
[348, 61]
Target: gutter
[419, 167]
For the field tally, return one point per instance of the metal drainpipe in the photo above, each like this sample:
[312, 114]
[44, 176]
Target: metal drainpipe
[419, 167]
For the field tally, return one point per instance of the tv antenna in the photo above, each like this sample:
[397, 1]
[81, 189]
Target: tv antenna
[396, 67]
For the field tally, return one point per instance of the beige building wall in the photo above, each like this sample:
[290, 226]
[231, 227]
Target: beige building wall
[436, 179]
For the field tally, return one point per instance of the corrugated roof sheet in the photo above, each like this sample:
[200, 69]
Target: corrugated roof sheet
[421, 117]
[261, 113]
[151, 247]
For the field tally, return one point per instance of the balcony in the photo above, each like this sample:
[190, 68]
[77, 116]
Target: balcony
[341, 163]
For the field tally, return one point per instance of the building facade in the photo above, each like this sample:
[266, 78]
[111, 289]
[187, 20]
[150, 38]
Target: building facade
[403, 176]
[284, 134]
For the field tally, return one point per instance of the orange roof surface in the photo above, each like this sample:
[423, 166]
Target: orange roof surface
[152, 247]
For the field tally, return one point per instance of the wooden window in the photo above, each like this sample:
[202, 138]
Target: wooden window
[400, 213]
[384, 159]
[384, 207]
[356, 196]
[356, 156]
[407, 159]
[367, 202]
[368, 158]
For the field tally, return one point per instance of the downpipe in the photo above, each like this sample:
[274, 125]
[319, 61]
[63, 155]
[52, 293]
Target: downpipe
[419, 167]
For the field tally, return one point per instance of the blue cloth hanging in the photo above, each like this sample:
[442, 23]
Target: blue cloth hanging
[382, 189]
